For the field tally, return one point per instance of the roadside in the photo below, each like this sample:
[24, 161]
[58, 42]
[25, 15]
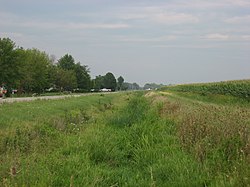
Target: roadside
[27, 99]
[23, 99]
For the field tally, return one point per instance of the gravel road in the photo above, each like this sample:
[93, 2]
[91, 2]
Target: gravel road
[26, 99]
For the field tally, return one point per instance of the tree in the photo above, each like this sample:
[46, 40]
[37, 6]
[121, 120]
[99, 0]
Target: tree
[65, 79]
[82, 76]
[52, 75]
[135, 86]
[8, 62]
[66, 62]
[120, 82]
[110, 81]
[130, 86]
[34, 70]
[98, 82]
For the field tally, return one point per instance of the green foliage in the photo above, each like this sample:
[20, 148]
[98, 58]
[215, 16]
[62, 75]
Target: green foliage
[134, 112]
[65, 79]
[73, 75]
[125, 139]
[83, 77]
[34, 71]
[66, 62]
[8, 62]
[72, 142]
[215, 133]
[98, 82]
[240, 88]
[109, 81]
[120, 82]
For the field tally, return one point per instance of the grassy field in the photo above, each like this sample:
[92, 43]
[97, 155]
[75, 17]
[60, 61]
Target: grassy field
[126, 139]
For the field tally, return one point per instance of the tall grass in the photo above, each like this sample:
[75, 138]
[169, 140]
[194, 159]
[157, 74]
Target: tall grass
[123, 140]
[216, 135]
[109, 143]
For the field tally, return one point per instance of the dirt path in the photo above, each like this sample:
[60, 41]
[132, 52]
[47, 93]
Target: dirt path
[26, 99]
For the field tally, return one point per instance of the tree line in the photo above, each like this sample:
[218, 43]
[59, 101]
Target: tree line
[34, 71]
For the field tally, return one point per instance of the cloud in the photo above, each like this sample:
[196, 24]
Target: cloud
[96, 26]
[174, 18]
[216, 36]
[11, 34]
[246, 37]
[187, 46]
[148, 39]
[12, 20]
[156, 15]
[67, 25]
[243, 3]
[239, 19]
[201, 4]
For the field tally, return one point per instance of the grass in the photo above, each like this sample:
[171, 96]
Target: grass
[99, 141]
[126, 139]
[216, 134]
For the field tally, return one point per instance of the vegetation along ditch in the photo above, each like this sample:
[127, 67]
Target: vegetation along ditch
[125, 139]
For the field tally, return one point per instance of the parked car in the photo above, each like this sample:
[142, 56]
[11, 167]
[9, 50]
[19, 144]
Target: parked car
[105, 90]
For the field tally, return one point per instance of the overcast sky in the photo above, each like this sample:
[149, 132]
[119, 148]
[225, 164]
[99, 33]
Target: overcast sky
[162, 41]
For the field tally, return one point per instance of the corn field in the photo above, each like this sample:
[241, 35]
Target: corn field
[239, 88]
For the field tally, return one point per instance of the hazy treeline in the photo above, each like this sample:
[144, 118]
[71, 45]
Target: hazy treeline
[34, 71]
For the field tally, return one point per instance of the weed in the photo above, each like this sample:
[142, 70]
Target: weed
[126, 139]
[216, 135]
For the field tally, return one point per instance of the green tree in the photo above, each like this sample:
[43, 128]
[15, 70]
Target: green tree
[66, 62]
[52, 75]
[65, 79]
[34, 70]
[110, 81]
[8, 62]
[120, 82]
[82, 76]
[135, 86]
[81, 72]
[98, 82]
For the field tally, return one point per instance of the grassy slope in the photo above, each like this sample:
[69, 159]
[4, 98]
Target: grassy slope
[114, 140]
[34, 135]
[122, 140]
[215, 130]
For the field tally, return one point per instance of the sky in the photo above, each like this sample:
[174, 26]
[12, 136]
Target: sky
[145, 41]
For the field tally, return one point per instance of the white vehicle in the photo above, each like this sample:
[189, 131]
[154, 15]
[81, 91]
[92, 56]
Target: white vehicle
[105, 90]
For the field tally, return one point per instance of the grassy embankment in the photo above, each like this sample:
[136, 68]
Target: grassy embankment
[127, 139]
[213, 124]
[106, 140]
